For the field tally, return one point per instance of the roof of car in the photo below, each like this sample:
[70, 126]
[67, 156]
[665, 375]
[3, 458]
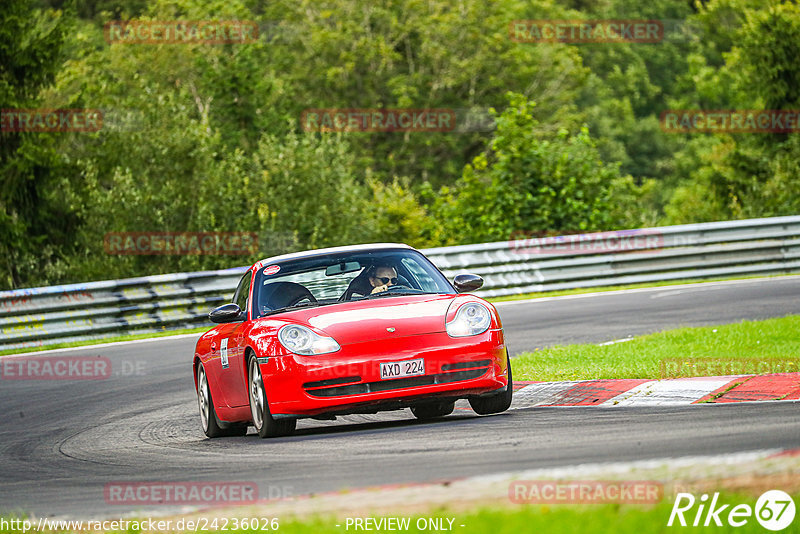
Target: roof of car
[334, 250]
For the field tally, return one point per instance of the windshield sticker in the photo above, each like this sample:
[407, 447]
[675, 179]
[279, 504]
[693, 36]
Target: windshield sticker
[272, 269]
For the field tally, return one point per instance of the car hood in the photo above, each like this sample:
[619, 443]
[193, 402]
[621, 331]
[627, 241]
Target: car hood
[368, 320]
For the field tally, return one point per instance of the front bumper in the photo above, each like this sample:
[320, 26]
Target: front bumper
[348, 381]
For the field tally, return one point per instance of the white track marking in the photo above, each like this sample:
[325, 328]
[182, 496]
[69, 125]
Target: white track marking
[624, 468]
[540, 394]
[615, 341]
[669, 392]
[101, 345]
[646, 290]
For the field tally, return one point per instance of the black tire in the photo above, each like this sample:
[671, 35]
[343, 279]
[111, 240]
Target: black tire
[265, 424]
[209, 422]
[495, 403]
[433, 410]
[234, 429]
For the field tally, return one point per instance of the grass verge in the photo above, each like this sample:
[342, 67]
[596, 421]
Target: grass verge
[558, 519]
[552, 519]
[741, 345]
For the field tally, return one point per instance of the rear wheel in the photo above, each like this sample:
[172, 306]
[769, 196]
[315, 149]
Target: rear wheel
[266, 425]
[495, 403]
[211, 425]
[433, 410]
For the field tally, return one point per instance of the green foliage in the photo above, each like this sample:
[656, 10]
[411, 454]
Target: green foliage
[304, 184]
[769, 51]
[34, 222]
[745, 175]
[625, 92]
[532, 181]
[357, 54]
[201, 137]
[398, 217]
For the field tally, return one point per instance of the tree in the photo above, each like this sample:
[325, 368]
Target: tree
[744, 175]
[423, 55]
[532, 183]
[34, 223]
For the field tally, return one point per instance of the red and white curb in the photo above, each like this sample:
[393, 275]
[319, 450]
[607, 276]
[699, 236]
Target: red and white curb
[640, 392]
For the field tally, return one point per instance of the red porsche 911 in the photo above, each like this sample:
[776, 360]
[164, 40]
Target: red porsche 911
[348, 330]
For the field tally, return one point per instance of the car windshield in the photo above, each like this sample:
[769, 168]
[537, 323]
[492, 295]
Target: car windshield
[345, 276]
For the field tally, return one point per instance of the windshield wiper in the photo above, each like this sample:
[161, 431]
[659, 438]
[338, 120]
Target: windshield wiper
[308, 304]
[390, 293]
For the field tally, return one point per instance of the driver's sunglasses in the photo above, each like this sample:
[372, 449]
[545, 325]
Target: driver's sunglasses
[385, 280]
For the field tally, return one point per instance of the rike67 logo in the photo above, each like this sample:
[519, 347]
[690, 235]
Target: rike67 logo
[774, 510]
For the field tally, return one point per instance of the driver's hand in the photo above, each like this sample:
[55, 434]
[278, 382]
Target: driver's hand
[379, 289]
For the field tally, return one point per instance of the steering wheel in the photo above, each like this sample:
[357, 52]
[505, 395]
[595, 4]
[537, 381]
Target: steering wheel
[398, 286]
[301, 298]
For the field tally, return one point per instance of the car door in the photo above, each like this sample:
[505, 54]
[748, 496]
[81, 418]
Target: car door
[232, 344]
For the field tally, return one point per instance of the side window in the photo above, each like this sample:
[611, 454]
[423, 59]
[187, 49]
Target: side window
[243, 292]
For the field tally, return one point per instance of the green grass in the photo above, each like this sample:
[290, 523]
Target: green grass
[110, 339]
[561, 519]
[600, 289]
[774, 342]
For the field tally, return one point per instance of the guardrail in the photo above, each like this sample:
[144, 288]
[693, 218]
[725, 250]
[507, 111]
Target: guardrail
[46, 315]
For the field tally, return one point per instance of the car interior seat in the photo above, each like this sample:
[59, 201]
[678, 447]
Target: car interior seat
[282, 294]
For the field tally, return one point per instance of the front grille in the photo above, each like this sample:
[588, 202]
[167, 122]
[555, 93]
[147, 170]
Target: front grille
[466, 365]
[332, 382]
[399, 383]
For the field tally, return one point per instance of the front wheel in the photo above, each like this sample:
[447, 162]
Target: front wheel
[495, 403]
[266, 425]
[211, 425]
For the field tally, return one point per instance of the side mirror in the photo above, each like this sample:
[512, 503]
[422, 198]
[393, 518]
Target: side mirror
[227, 313]
[465, 283]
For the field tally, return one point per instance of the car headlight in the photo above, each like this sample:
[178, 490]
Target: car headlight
[471, 319]
[302, 340]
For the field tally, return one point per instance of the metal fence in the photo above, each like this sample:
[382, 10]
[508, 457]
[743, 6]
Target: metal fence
[47, 315]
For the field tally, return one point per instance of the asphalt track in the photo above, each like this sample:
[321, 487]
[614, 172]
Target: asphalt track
[61, 442]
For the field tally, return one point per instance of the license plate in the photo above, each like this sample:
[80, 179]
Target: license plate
[402, 369]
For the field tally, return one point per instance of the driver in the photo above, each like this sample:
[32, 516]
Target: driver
[382, 278]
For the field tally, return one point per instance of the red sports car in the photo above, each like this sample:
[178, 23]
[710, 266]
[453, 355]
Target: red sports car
[348, 330]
